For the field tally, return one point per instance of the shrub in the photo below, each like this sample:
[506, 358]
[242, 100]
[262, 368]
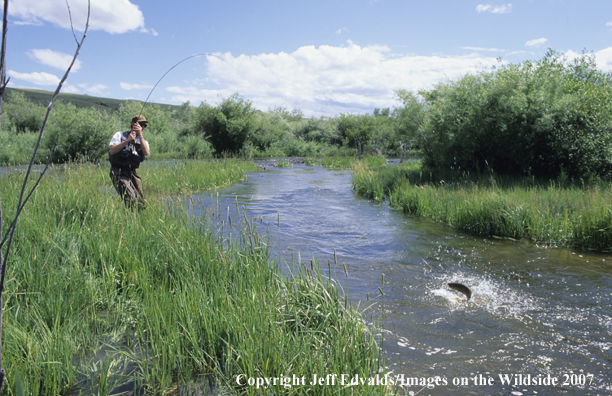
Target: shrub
[84, 133]
[20, 113]
[228, 126]
[160, 120]
[267, 132]
[541, 118]
[319, 130]
[195, 147]
[409, 120]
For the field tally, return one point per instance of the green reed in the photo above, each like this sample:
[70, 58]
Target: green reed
[344, 162]
[560, 213]
[283, 163]
[186, 177]
[99, 296]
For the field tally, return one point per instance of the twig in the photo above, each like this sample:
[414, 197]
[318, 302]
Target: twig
[22, 201]
[3, 82]
[71, 24]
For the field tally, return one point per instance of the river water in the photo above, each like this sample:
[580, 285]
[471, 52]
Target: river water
[539, 321]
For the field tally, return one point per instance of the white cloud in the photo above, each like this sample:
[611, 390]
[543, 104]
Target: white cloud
[609, 24]
[327, 80]
[55, 59]
[35, 78]
[131, 87]
[340, 31]
[96, 90]
[497, 9]
[194, 95]
[604, 59]
[536, 42]
[67, 88]
[112, 16]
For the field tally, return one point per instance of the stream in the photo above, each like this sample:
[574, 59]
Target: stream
[539, 320]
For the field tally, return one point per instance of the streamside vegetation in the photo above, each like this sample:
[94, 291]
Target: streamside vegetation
[101, 299]
[547, 118]
[232, 127]
[521, 151]
[558, 212]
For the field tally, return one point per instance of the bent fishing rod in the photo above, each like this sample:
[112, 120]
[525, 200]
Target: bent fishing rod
[169, 70]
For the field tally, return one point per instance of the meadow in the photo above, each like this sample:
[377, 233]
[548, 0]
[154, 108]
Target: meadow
[100, 298]
[561, 212]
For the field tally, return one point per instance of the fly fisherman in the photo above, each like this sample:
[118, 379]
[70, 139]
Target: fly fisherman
[126, 151]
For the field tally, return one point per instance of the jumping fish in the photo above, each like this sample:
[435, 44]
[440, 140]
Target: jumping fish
[461, 289]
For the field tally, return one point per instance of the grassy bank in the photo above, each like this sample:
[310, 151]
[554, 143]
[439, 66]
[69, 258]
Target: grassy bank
[99, 297]
[560, 213]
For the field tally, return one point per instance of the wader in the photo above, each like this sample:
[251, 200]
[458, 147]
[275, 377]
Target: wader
[129, 186]
[123, 173]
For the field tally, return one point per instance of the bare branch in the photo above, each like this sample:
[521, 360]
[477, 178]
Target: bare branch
[3, 82]
[71, 24]
[22, 201]
[40, 135]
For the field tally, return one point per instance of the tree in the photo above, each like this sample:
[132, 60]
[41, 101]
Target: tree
[536, 118]
[85, 133]
[228, 126]
[409, 118]
[22, 114]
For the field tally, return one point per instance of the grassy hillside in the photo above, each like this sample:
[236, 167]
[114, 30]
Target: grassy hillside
[80, 101]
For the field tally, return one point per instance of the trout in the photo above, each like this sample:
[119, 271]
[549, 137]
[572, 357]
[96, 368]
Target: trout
[461, 289]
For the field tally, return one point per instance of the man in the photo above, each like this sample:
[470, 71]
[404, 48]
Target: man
[126, 151]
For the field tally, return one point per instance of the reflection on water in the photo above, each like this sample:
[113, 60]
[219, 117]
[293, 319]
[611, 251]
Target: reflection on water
[534, 311]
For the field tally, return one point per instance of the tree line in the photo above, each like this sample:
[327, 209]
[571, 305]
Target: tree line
[231, 127]
[548, 118]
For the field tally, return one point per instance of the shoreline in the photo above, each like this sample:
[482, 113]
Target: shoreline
[551, 213]
[86, 273]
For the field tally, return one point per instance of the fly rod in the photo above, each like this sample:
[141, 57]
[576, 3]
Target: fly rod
[169, 70]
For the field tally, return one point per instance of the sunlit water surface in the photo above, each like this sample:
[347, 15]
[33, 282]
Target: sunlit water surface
[534, 312]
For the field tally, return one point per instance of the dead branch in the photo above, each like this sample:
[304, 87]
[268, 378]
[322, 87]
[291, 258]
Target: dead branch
[21, 203]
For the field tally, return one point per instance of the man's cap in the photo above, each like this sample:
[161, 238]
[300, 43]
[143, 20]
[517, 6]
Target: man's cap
[140, 119]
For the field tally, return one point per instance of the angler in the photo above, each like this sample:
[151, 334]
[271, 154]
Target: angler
[126, 151]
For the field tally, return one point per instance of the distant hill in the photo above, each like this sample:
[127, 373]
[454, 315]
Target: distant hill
[43, 98]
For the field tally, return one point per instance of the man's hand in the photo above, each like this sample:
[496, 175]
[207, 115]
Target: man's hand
[136, 129]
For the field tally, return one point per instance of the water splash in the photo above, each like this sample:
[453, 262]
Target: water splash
[496, 297]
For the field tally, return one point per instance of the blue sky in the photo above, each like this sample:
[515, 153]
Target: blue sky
[324, 57]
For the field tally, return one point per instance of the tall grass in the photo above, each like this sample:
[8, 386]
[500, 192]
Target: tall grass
[100, 297]
[346, 162]
[560, 213]
[188, 177]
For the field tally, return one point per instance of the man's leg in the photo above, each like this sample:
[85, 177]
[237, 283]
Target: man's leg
[138, 191]
[124, 187]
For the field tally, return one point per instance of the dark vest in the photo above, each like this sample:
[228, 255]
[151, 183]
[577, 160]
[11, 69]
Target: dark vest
[130, 157]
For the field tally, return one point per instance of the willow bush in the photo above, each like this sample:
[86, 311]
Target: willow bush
[543, 118]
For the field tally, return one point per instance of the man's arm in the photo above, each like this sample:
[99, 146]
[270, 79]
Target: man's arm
[114, 149]
[144, 146]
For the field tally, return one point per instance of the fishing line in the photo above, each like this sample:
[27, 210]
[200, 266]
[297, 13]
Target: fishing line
[169, 70]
